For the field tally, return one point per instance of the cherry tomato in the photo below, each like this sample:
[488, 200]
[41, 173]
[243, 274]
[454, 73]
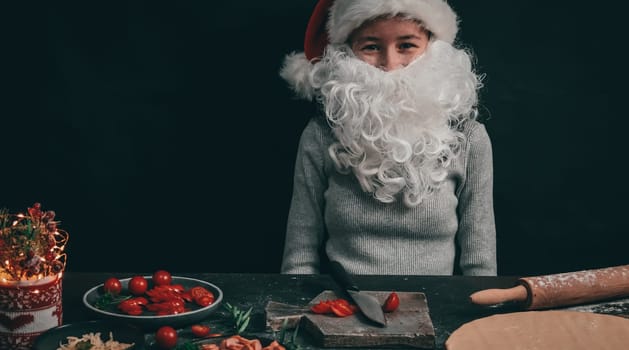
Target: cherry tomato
[392, 302]
[198, 291]
[341, 309]
[112, 286]
[132, 306]
[204, 300]
[162, 278]
[341, 301]
[159, 294]
[322, 307]
[138, 285]
[200, 330]
[166, 337]
[201, 296]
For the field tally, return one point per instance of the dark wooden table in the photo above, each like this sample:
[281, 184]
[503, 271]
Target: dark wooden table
[447, 296]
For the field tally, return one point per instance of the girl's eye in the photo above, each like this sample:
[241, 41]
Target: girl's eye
[372, 47]
[406, 46]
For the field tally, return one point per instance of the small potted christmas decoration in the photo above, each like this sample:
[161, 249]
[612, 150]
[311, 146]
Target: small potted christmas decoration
[32, 262]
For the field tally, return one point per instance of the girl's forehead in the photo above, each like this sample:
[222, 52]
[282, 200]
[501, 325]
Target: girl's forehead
[383, 26]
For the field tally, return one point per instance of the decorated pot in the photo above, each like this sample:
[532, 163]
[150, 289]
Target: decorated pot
[27, 309]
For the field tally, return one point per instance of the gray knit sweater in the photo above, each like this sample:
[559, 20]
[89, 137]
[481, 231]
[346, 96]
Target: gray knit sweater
[369, 237]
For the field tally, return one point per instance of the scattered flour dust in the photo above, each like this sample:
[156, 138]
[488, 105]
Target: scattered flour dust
[96, 342]
[617, 308]
[598, 277]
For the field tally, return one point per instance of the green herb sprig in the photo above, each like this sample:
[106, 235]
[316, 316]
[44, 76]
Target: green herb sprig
[187, 346]
[289, 341]
[107, 299]
[83, 345]
[241, 318]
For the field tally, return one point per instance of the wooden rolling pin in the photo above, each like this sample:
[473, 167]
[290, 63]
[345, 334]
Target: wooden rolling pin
[564, 289]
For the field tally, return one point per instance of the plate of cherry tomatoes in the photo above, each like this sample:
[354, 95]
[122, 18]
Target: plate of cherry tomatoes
[154, 301]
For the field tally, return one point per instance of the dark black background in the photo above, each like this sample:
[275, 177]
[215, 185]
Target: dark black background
[163, 137]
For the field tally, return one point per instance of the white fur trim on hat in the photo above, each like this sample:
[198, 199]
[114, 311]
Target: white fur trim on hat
[347, 15]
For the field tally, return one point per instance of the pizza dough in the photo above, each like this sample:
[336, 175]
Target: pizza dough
[542, 330]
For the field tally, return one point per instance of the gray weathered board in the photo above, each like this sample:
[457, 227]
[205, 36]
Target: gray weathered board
[409, 325]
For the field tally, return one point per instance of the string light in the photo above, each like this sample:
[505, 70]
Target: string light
[31, 246]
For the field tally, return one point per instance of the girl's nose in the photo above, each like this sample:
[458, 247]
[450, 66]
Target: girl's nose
[390, 60]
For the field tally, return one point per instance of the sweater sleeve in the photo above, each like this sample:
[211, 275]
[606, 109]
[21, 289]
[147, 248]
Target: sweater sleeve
[477, 230]
[305, 225]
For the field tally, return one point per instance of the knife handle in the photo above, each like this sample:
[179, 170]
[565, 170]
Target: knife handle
[341, 276]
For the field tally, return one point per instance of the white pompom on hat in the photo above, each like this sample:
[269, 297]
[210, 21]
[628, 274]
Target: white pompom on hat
[332, 21]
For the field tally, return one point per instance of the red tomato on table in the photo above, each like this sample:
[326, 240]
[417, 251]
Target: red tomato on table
[200, 330]
[166, 337]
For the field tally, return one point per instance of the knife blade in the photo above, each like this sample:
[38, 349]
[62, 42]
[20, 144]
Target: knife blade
[367, 304]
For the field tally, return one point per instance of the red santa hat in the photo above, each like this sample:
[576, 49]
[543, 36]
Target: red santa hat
[332, 21]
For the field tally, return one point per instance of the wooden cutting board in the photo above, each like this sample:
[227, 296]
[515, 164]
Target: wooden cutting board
[409, 325]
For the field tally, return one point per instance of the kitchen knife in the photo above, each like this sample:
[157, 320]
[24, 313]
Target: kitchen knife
[368, 305]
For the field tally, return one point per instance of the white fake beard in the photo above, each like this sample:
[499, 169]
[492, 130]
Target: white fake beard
[397, 131]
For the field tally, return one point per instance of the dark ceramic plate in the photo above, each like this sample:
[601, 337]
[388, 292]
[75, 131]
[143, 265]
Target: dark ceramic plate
[123, 333]
[150, 321]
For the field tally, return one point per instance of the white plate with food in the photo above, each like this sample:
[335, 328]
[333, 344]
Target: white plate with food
[100, 334]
